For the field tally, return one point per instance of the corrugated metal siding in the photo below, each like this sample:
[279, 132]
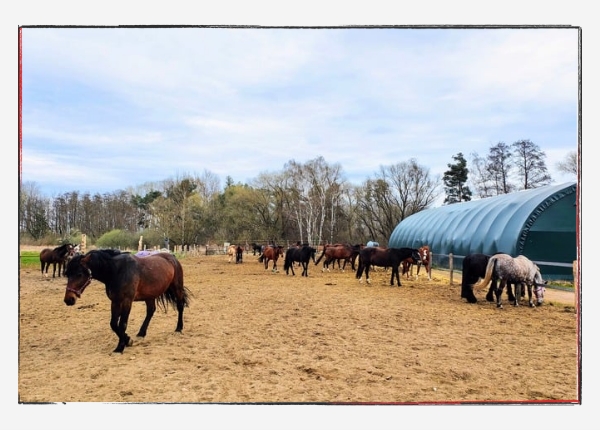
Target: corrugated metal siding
[539, 223]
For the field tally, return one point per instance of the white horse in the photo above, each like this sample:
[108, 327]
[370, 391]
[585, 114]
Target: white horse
[519, 270]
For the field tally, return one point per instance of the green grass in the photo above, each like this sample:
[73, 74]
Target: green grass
[30, 259]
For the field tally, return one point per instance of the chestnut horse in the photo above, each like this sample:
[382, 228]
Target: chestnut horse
[384, 257]
[339, 252]
[425, 254]
[128, 279]
[57, 256]
[272, 252]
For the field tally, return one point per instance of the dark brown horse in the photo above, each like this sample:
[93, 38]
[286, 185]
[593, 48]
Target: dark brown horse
[272, 252]
[384, 257]
[129, 279]
[339, 252]
[57, 256]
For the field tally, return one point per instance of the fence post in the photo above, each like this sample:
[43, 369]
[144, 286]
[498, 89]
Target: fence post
[451, 266]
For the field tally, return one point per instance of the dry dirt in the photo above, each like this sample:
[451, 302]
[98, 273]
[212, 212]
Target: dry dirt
[253, 336]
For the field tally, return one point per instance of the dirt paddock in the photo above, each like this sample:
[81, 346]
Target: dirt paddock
[253, 336]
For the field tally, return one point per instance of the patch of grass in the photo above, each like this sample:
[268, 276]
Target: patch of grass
[30, 259]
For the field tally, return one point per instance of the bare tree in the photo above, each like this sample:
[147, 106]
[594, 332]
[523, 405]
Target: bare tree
[499, 165]
[531, 164]
[396, 192]
[570, 164]
[480, 177]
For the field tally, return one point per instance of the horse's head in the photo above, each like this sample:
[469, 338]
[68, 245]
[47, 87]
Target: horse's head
[79, 276]
[415, 255]
[539, 287]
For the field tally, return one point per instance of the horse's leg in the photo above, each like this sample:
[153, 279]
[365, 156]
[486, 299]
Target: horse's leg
[509, 291]
[53, 270]
[517, 296]
[493, 287]
[529, 293]
[367, 268]
[118, 323]
[499, 293]
[150, 308]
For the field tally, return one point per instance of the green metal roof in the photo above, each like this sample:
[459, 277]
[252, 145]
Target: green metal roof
[539, 223]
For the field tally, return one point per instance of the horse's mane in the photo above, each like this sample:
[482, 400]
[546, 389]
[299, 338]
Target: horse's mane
[112, 252]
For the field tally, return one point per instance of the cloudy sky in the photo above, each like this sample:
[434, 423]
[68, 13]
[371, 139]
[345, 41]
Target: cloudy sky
[105, 109]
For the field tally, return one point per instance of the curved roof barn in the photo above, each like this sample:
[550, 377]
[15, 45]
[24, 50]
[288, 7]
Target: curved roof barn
[539, 223]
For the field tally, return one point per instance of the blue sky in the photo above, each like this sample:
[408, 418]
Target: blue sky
[110, 108]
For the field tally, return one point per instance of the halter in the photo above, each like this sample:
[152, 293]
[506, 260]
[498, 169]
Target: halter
[79, 292]
[539, 290]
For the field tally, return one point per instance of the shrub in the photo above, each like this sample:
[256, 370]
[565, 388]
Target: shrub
[118, 239]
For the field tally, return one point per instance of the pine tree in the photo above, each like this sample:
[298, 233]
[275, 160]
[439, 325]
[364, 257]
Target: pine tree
[455, 181]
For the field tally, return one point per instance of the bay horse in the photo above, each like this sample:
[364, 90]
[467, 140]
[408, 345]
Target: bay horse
[339, 252]
[271, 252]
[425, 254]
[57, 256]
[128, 278]
[303, 255]
[384, 257]
[519, 270]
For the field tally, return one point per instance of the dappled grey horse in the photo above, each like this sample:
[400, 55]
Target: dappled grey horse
[520, 271]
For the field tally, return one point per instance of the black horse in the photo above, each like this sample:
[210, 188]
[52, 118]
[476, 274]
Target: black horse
[57, 256]
[256, 248]
[473, 269]
[239, 254]
[384, 257]
[303, 255]
[129, 278]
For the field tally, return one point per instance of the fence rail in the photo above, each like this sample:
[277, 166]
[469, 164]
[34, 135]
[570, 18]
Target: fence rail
[453, 263]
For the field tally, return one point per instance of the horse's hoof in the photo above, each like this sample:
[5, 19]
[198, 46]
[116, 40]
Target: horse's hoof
[471, 300]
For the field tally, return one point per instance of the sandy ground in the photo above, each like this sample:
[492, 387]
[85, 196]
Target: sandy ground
[254, 336]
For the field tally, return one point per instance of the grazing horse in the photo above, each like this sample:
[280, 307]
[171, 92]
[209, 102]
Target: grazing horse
[384, 257]
[425, 254]
[128, 278]
[339, 252]
[256, 248]
[271, 253]
[302, 254]
[57, 256]
[519, 270]
[239, 254]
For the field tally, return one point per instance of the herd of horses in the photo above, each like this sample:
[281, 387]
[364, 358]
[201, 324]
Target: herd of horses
[157, 277]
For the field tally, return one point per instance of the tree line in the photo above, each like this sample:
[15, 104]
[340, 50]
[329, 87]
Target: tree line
[310, 202]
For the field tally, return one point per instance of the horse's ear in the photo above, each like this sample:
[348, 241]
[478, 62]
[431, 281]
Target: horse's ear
[86, 259]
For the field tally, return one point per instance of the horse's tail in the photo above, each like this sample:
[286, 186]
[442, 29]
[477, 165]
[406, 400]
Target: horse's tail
[261, 257]
[489, 271]
[177, 294]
